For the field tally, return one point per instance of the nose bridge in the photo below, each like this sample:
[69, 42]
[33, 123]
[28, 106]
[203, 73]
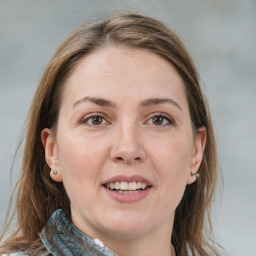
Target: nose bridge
[127, 145]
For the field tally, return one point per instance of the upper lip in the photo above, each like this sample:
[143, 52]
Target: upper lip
[128, 179]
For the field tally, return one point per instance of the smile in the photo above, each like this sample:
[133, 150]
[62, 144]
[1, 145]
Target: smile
[127, 189]
[124, 187]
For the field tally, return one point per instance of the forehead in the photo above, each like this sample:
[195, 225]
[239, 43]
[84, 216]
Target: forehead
[123, 72]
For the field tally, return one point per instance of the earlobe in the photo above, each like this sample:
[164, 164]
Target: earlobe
[51, 154]
[197, 155]
[56, 176]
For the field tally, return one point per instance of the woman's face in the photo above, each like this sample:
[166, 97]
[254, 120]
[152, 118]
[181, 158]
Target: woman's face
[124, 146]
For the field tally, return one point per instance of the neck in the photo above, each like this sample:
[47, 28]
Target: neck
[150, 244]
[138, 248]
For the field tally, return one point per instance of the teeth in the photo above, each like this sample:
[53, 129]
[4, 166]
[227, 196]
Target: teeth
[124, 186]
[117, 185]
[127, 192]
[112, 185]
[138, 185]
[132, 185]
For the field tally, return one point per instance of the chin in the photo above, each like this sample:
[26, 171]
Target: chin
[126, 226]
[126, 233]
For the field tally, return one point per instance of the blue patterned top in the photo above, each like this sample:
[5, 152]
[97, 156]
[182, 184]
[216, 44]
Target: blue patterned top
[62, 238]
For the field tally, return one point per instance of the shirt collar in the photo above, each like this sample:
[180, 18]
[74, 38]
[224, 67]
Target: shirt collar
[61, 237]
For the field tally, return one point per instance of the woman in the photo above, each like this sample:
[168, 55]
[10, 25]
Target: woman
[118, 134]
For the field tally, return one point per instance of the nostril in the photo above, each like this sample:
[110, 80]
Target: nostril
[123, 159]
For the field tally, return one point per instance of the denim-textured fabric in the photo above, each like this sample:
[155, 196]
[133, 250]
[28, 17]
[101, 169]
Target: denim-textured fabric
[15, 254]
[62, 238]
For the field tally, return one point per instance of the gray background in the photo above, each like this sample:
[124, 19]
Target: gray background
[221, 36]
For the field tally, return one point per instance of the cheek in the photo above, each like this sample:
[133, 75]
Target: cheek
[80, 162]
[172, 156]
[171, 161]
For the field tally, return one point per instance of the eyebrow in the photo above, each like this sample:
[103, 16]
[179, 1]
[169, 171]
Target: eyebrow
[156, 101]
[98, 101]
[146, 103]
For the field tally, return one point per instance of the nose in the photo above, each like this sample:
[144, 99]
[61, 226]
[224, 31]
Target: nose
[127, 146]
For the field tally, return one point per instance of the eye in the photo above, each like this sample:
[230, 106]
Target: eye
[94, 120]
[160, 120]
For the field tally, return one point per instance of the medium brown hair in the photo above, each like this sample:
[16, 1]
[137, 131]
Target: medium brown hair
[39, 196]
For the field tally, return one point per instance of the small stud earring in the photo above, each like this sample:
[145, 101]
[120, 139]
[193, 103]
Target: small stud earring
[54, 172]
[196, 174]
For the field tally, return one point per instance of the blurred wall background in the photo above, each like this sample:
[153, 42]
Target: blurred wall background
[221, 36]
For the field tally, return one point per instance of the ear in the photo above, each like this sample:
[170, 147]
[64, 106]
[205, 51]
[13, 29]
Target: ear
[197, 153]
[51, 154]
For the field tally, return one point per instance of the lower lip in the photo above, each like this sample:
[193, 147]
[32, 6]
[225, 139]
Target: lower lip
[128, 198]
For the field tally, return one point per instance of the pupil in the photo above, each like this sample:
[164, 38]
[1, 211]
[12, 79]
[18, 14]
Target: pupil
[158, 120]
[97, 120]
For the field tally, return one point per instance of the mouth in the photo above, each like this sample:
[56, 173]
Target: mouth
[128, 189]
[124, 187]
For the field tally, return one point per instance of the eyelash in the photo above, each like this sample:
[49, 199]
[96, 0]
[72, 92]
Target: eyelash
[87, 118]
[165, 117]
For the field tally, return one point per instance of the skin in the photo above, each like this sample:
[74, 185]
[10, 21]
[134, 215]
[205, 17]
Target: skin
[128, 141]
